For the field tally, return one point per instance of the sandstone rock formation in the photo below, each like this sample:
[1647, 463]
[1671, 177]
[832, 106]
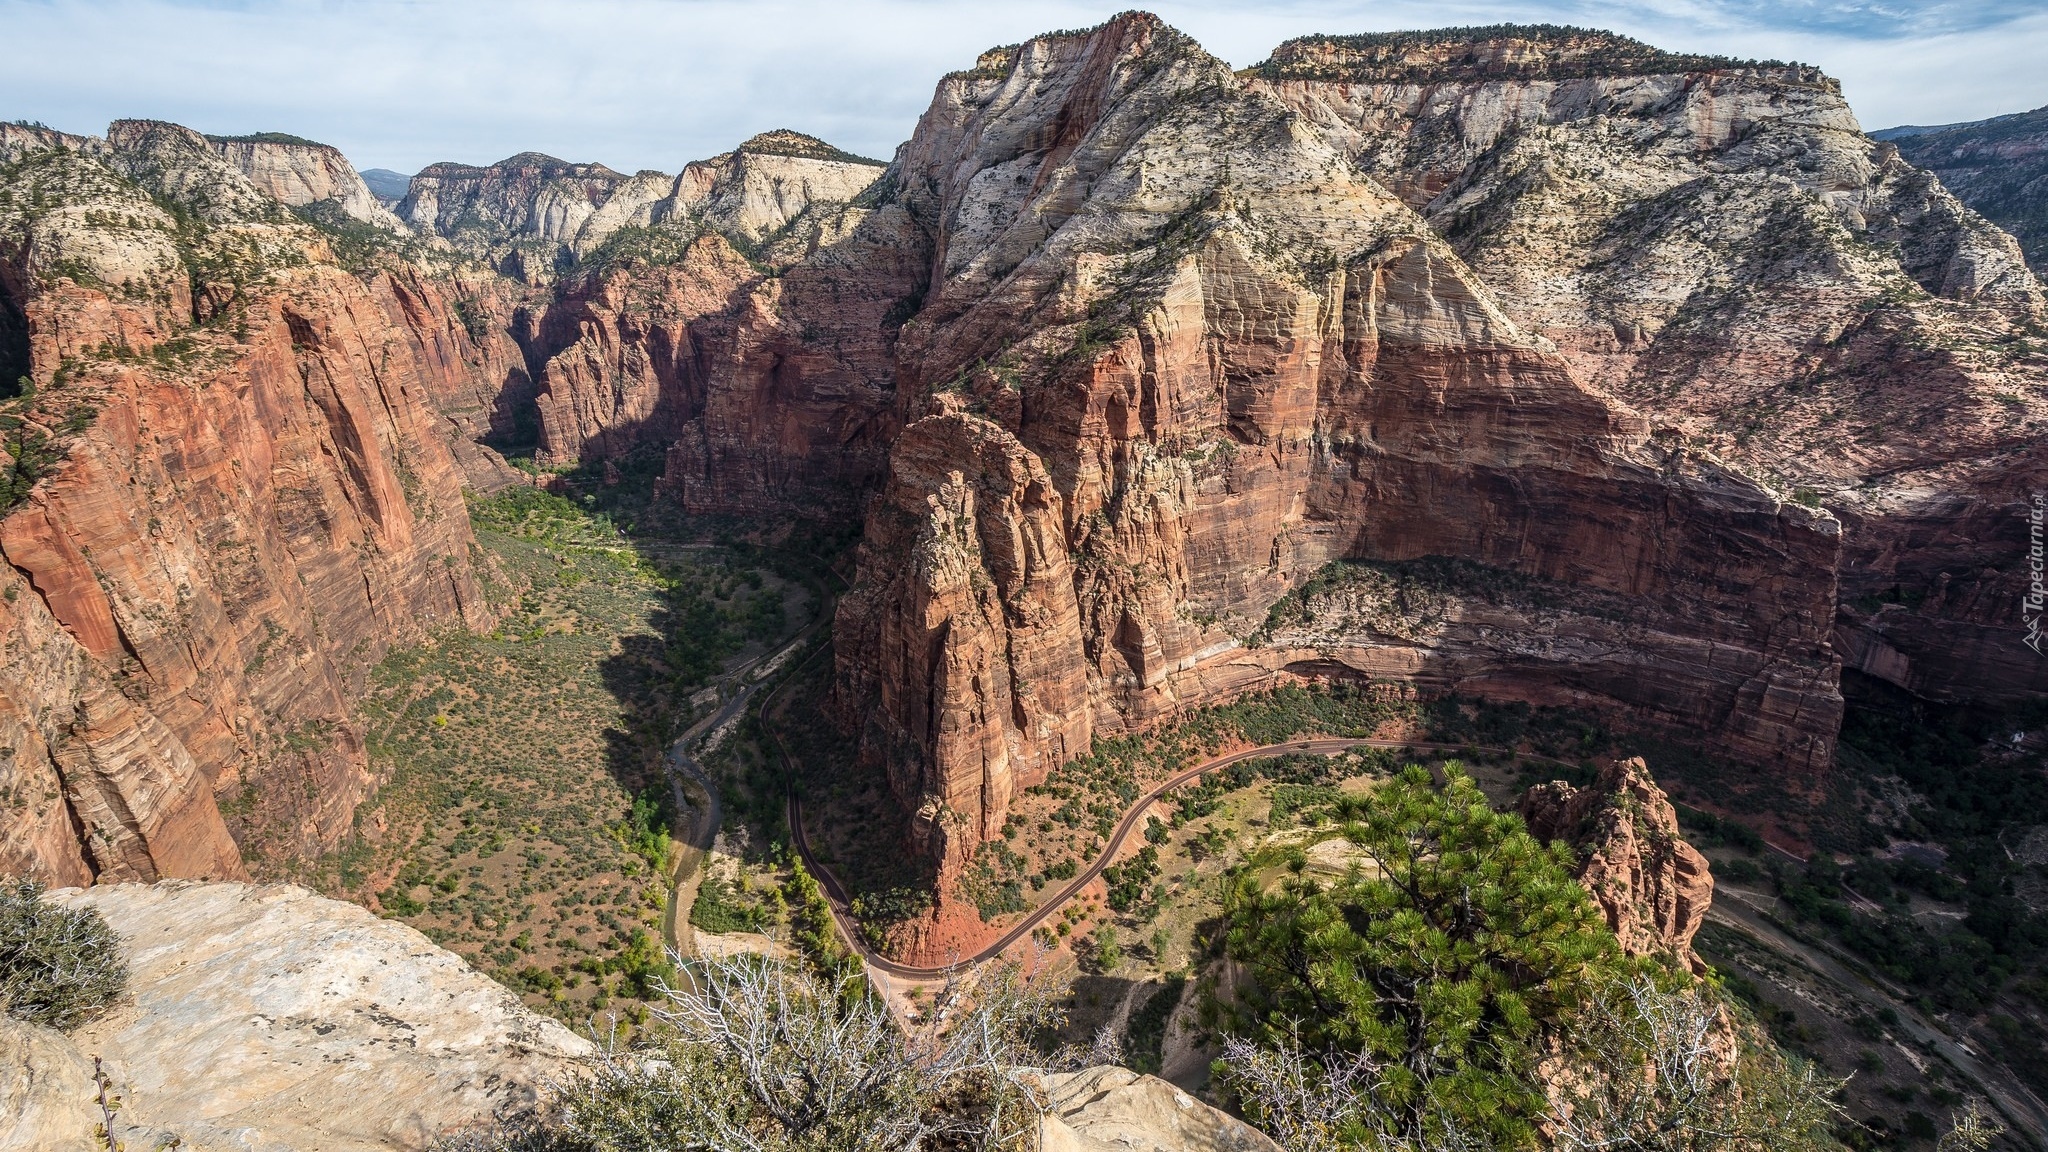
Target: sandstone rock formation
[1527, 362]
[1179, 355]
[768, 382]
[532, 213]
[300, 172]
[1653, 887]
[1718, 244]
[1111, 1109]
[229, 491]
[268, 1019]
[1999, 167]
[48, 1098]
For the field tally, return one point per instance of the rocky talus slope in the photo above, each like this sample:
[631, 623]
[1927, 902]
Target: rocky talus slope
[231, 485]
[1999, 167]
[1179, 355]
[268, 1019]
[1717, 244]
[1653, 887]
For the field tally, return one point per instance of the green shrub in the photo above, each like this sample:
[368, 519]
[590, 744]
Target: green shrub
[1446, 965]
[58, 967]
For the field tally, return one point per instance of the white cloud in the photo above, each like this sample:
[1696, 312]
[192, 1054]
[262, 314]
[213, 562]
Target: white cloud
[654, 83]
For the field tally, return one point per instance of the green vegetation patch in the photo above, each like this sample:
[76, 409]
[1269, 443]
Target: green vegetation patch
[524, 818]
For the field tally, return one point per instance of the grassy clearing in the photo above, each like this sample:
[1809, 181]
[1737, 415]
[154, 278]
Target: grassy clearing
[522, 821]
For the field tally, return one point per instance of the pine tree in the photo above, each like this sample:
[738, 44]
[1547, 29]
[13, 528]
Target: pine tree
[1441, 958]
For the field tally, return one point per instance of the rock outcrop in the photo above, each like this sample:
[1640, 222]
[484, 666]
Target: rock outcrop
[229, 490]
[1718, 244]
[1653, 887]
[767, 380]
[300, 172]
[533, 214]
[268, 1019]
[1112, 1109]
[48, 1097]
[1999, 167]
[1177, 356]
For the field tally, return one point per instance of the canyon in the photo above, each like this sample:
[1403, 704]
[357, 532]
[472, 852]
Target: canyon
[1527, 364]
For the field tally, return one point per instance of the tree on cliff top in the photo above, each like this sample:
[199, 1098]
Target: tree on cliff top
[1442, 959]
[1457, 989]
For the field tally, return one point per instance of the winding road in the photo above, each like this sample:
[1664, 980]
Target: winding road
[2010, 1097]
[682, 762]
[841, 900]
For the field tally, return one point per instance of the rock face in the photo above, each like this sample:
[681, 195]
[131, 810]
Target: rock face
[300, 172]
[268, 1019]
[1523, 361]
[230, 491]
[1177, 356]
[1719, 245]
[767, 382]
[533, 213]
[1111, 1109]
[1999, 167]
[1652, 886]
[47, 1093]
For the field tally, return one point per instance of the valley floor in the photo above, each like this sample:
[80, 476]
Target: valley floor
[523, 817]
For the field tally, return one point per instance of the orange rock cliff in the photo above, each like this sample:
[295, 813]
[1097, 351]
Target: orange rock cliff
[1670, 390]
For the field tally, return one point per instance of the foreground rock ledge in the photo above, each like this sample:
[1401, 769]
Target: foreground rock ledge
[265, 1018]
[268, 1019]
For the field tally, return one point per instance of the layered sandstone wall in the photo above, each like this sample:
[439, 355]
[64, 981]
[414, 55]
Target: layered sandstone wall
[1718, 244]
[244, 492]
[1177, 356]
[534, 215]
[301, 172]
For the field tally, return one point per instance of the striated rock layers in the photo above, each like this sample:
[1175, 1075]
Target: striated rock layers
[229, 490]
[266, 1019]
[1653, 887]
[300, 172]
[1718, 244]
[762, 370]
[1177, 355]
[534, 214]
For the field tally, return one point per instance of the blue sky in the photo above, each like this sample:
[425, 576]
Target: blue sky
[655, 83]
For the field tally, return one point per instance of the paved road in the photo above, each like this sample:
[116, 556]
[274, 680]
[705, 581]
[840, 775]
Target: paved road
[2015, 1103]
[2019, 1107]
[682, 762]
[842, 902]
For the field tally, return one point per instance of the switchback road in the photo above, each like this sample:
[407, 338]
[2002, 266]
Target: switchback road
[842, 901]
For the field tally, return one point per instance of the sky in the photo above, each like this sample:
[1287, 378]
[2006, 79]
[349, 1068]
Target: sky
[656, 83]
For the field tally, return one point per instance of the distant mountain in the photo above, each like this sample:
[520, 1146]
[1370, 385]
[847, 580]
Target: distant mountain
[387, 185]
[1997, 166]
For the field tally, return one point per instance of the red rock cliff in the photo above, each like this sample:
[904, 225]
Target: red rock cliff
[1720, 245]
[1177, 357]
[242, 495]
[1653, 887]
